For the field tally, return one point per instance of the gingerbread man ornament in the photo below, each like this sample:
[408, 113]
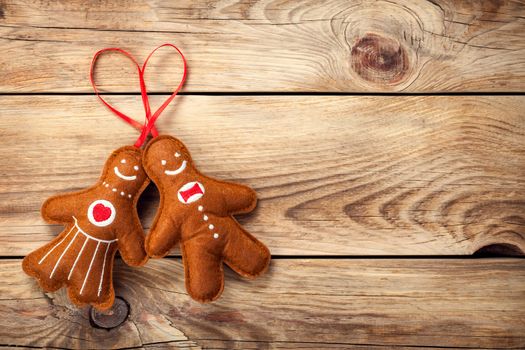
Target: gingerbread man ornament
[98, 221]
[196, 212]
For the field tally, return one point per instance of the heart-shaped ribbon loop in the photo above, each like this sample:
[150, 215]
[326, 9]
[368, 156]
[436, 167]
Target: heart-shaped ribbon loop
[149, 121]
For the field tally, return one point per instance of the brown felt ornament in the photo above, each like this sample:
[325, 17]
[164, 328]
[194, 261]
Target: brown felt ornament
[98, 221]
[196, 212]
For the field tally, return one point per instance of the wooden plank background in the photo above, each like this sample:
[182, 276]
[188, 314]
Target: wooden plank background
[312, 303]
[334, 175]
[269, 45]
[371, 204]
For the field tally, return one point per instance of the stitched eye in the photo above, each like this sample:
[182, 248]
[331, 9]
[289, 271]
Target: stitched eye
[136, 167]
[123, 161]
[163, 162]
[177, 154]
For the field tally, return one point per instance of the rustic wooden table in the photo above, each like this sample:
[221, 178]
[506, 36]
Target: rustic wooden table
[385, 140]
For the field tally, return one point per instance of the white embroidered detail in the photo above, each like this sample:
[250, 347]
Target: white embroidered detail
[91, 237]
[62, 255]
[87, 238]
[136, 167]
[103, 268]
[205, 218]
[56, 245]
[176, 171]
[89, 268]
[78, 258]
[114, 189]
[124, 177]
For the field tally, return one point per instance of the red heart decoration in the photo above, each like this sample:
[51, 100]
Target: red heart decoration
[101, 212]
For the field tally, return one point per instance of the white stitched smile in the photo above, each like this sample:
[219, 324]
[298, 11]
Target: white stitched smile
[176, 171]
[122, 176]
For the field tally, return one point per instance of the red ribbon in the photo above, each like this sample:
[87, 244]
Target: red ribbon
[149, 122]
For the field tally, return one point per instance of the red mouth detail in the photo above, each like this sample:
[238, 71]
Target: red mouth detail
[195, 189]
[101, 212]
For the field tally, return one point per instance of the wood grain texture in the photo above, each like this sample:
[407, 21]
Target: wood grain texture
[269, 45]
[335, 175]
[311, 304]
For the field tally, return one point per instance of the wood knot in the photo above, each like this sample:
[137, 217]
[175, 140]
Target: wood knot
[111, 318]
[379, 60]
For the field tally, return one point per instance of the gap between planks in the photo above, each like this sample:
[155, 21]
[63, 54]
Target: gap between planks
[350, 257]
[270, 93]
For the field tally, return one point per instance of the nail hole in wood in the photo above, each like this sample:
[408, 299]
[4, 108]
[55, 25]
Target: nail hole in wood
[111, 318]
[500, 249]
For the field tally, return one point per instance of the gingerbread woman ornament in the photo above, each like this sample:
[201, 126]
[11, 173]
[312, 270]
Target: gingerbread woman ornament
[98, 221]
[196, 212]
